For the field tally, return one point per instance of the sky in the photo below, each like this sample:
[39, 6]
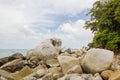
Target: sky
[25, 23]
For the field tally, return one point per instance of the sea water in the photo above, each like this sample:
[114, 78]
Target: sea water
[8, 52]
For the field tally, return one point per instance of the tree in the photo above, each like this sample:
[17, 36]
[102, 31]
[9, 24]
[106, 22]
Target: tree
[105, 24]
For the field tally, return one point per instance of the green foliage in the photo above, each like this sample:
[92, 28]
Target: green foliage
[105, 24]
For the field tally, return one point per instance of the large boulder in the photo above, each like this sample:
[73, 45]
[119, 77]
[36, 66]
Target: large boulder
[97, 60]
[33, 58]
[68, 63]
[32, 53]
[49, 46]
[48, 49]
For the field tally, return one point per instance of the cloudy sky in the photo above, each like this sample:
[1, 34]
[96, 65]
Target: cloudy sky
[24, 23]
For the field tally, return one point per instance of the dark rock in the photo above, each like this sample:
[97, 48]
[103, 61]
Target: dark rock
[17, 56]
[33, 62]
[14, 65]
[10, 58]
[66, 49]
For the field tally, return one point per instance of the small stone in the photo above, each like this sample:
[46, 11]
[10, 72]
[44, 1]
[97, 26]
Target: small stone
[52, 62]
[106, 74]
[40, 73]
[48, 76]
[57, 73]
[75, 69]
[65, 49]
[67, 62]
[115, 75]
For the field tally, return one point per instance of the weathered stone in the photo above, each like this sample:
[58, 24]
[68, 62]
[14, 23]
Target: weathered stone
[75, 69]
[67, 62]
[48, 49]
[95, 60]
[14, 65]
[84, 49]
[79, 53]
[39, 67]
[62, 78]
[74, 55]
[57, 73]
[65, 54]
[115, 75]
[76, 77]
[3, 78]
[65, 49]
[52, 62]
[17, 56]
[65, 77]
[29, 77]
[5, 75]
[49, 46]
[48, 76]
[33, 54]
[106, 74]
[33, 62]
[39, 79]
[22, 73]
[10, 58]
[33, 58]
[40, 73]
[97, 77]
[91, 77]
[115, 63]
[81, 77]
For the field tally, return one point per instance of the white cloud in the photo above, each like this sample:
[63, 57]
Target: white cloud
[74, 34]
[70, 7]
[38, 11]
[18, 19]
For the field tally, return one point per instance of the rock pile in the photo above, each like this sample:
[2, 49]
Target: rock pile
[48, 61]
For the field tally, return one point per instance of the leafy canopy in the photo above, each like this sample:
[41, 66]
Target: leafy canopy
[105, 24]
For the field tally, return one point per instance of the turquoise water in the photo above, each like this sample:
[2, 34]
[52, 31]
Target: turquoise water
[8, 52]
